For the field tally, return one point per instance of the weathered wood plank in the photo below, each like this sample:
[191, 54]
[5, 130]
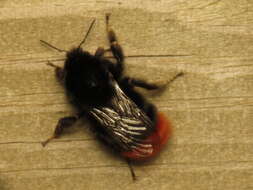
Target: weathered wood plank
[211, 106]
[153, 177]
[88, 153]
[192, 28]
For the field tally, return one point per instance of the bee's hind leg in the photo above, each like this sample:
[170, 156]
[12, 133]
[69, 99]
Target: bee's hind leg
[131, 169]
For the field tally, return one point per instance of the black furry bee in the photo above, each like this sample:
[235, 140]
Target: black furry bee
[98, 89]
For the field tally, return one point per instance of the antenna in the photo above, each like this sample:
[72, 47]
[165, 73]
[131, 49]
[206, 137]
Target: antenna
[82, 42]
[49, 45]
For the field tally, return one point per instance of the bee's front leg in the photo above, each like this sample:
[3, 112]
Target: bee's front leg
[101, 51]
[114, 45]
[59, 72]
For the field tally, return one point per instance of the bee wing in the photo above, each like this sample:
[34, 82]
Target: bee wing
[125, 123]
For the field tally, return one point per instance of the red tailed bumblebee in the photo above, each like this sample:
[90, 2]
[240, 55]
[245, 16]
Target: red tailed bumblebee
[121, 116]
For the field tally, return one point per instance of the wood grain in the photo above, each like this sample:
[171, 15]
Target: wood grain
[211, 106]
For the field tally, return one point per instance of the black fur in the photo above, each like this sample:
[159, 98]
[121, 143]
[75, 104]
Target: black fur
[87, 81]
[87, 78]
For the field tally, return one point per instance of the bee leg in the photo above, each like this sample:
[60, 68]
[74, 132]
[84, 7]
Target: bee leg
[150, 86]
[59, 72]
[101, 51]
[131, 169]
[64, 122]
[115, 47]
[151, 112]
[141, 83]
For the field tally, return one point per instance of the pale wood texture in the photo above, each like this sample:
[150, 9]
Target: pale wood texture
[211, 106]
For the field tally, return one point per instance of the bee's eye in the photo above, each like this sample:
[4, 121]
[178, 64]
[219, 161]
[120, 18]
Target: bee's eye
[90, 84]
[93, 84]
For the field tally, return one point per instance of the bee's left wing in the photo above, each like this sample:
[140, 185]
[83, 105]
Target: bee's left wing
[125, 124]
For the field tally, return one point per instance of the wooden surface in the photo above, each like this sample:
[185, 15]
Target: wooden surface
[211, 107]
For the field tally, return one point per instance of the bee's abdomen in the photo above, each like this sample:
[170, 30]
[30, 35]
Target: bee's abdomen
[157, 139]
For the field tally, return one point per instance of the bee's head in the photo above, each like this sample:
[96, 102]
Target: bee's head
[86, 76]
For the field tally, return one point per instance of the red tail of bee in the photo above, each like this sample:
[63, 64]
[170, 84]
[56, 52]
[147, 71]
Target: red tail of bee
[158, 139]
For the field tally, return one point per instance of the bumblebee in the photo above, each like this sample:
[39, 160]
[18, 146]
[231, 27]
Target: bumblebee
[98, 88]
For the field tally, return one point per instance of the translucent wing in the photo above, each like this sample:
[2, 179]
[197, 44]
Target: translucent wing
[125, 123]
